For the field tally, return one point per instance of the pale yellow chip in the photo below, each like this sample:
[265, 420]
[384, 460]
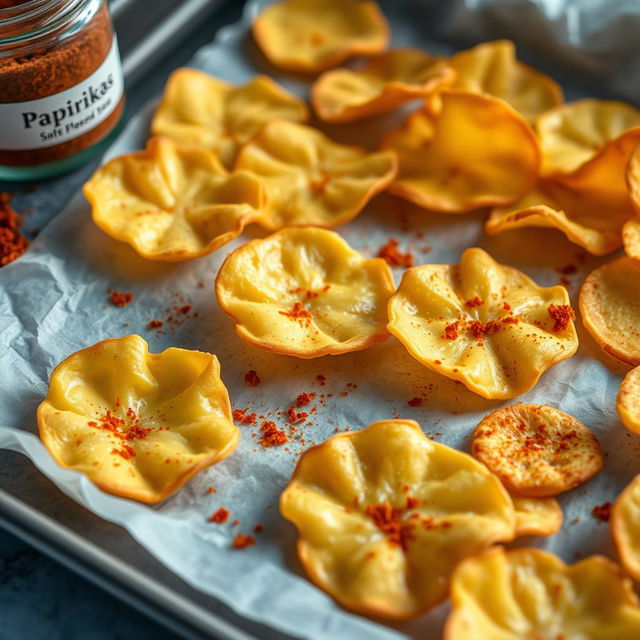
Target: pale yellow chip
[492, 67]
[625, 527]
[303, 291]
[173, 202]
[529, 594]
[536, 450]
[473, 151]
[628, 401]
[487, 325]
[138, 424]
[631, 240]
[610, 308]
[384, 515]
[198, 109]
[382, 84]
[537, 516]
[313, 35]
[588, 215]
[309, 179]
[591, 130]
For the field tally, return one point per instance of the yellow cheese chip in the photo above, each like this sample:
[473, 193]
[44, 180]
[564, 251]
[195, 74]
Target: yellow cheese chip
[309, 179]
[199, 109]
[473, 151]
[305, 292]
[492, 67]
[537, 516]
[487, 325]
[173, 202]
[631, 240]
[138, 424]
[382, 84]
[610, 310]
[625, 527]
[384, 515]
[313, 35]
[628, 401]
[536, 450]
[529, 594]
[589, 216]
[585, 131]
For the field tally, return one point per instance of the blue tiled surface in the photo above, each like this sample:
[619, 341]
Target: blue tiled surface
[41, 600]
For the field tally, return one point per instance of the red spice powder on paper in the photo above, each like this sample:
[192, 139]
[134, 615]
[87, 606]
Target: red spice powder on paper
[241, 541]
[220, 516]
[602, 512]
[241, 416]
[12, 242]
[562, 315]
[155, 324]
[271, 435]
[251, 378]
[415, 402]
[120, 299]
[304, 399]
[393, 257]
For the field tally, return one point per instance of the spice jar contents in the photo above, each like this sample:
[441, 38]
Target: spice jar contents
[60, 93]
[12, 243]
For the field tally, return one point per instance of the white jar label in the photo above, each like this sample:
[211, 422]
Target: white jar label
[37, 124]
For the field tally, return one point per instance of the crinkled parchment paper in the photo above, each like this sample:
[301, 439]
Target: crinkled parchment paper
[53, 301]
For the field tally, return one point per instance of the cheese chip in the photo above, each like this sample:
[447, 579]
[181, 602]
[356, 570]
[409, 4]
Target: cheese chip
[173, 202]
[198, 109]
[628, 401]
[537, 516]
[472, 151]
[385, 514]
[309, 179]
[625, 527]
[137, 424]
[492, 67]
[610, 310]
[305, 292]
[313, 35]
[487, 325]
[536, 450]
[528, 593]
[382, 84]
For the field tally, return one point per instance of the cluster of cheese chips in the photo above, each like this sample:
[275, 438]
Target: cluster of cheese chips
[385, 514]
[138, 424]
[487, 325]
[303, 291]
[528, 593]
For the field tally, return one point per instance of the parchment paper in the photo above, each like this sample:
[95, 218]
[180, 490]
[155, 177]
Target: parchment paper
[53, 301]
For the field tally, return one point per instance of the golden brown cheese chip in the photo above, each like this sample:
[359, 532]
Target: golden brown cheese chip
[529, 594]
[385, 514]
[492, 67]
[609, 304]
[138, 424]
[625, 527]
[577, 133]
[487, 325]
[384, 83]
[305, 292]
[198, 109]
[173, 202]
[536, 451]
[537, 516]
[309, 179]
[631, 240]
[590, 214]
[628, 401]
[473, 151]
[313, 35]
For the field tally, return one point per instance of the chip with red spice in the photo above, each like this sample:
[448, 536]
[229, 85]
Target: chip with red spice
[536, 450]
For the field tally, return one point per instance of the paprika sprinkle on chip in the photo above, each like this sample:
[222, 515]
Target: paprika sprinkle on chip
[474, 302]
[241, 541]
[12, 242]
[120, 299]
[220, 516]
[562, 315]
[393, 257]
[298, 313]
[451, 331]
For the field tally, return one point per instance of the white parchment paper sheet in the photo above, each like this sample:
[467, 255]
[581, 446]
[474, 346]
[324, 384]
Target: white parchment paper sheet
[53, 301]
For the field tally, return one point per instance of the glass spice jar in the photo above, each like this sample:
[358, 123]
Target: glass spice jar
[61, 85]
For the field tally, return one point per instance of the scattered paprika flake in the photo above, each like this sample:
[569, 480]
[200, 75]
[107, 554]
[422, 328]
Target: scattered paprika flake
[415, 402]
[451, 331]
[562, 315]
[220, 516]
[251, 378]
[271, 435]
[304, 399]
[321, 379]
[567, 270]
[155, 324]
[211, 490]
[241, 541]
[298, 314]
[12, 242]
[394, 258]
[258, 528]
[474, 302]
[120, 299]
[602, 512]
[241, 416]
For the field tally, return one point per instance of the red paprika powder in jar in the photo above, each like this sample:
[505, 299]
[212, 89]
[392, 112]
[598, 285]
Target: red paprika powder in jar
[61, 85]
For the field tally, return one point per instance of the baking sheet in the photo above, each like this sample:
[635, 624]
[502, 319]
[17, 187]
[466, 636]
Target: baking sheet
[53, 301]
